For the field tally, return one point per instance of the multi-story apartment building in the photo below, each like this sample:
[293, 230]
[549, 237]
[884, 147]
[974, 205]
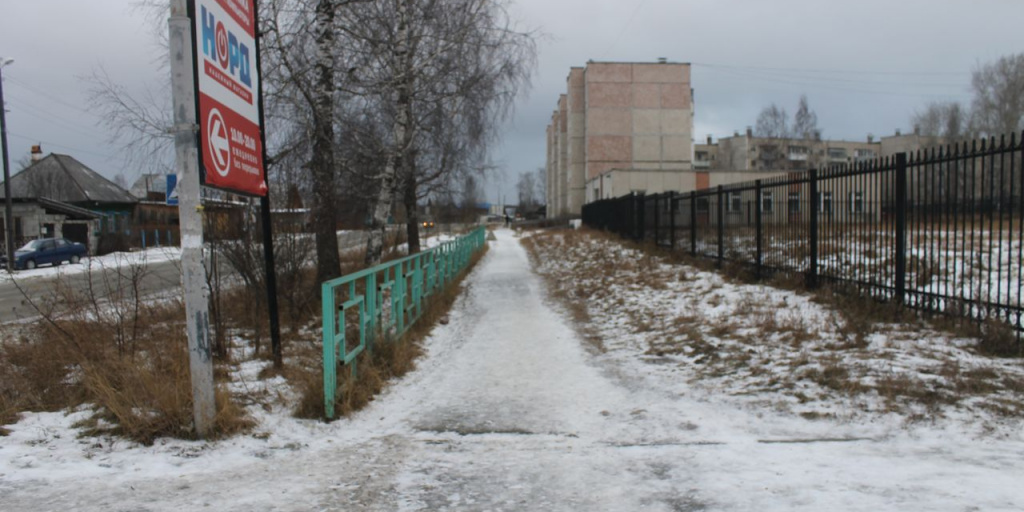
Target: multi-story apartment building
[621, 127]
[750, 153]
[628, 127]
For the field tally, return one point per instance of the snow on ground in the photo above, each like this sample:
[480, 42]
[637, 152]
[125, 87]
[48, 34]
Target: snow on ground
[170, 253]
[511, 409]
[97, 263]
[767, 347]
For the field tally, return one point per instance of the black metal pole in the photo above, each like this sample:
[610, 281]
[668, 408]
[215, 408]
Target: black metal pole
[268, 230]
[900, 207]
[693, 223]
[672, 219]
[812, 271]
[757, 228]
[657, 219]
[641, 211]
[721, 228]
[8, 209]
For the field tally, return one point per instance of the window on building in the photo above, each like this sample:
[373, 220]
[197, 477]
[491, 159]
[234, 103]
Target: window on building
[794, 202]
[766, 201]
[826, 202]
[837, 153]
[864, 154]
[798, 152]
[701, 155]
[735, 202]
[856, 202]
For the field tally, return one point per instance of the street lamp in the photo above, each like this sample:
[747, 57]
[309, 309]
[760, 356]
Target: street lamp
[8, 218]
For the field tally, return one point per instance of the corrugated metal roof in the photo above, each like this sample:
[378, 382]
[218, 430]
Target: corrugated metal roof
[62, 178]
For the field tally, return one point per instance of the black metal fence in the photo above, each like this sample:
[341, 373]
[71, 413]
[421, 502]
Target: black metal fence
[938, 230]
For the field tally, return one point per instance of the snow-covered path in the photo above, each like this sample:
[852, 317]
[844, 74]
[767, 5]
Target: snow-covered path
[510, 411]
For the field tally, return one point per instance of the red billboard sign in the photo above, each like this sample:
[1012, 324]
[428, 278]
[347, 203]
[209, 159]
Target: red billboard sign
[230, 142]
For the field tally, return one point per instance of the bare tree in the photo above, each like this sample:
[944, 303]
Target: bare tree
[805, 121]
[121, 181]
[998, 104]
[773, 123]
[540, 185]
[138, 122]
[526, 188]
[431, 67]
[23, 163]
[942, 122]
[471, 194]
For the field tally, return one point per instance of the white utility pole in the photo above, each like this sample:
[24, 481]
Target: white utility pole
[197, 314]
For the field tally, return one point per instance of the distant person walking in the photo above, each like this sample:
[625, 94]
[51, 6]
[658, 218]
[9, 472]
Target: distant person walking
[508, 220]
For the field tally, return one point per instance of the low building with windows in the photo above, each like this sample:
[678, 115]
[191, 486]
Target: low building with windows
[749, 153]
[55, 182]
[45, 218]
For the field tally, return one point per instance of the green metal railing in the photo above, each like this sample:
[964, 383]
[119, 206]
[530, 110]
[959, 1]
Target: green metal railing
[382, 302]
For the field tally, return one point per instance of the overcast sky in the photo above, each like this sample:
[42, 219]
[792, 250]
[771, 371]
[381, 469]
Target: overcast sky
[865, 65]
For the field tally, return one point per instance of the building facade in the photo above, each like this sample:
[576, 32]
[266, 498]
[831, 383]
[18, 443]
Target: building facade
[618, 125]
[624, 128]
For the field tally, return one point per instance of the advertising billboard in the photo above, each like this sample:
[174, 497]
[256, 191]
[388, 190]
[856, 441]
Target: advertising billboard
[230, 145]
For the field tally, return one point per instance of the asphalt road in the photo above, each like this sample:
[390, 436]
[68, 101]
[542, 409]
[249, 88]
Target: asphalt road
[17, 297]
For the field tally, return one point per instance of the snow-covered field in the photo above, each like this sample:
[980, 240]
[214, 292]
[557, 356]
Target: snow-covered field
[513, 408]
[980, 265]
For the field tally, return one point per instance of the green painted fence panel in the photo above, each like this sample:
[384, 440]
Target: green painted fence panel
[385, 301]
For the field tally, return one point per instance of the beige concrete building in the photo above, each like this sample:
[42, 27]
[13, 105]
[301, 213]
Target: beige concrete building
[624, 126]
[750, 153]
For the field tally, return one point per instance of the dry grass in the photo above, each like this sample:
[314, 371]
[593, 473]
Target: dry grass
[126, 360]
[815, 353]
[141, 395]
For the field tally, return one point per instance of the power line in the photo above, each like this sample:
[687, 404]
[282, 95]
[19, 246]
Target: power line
[784, 74]
[50, 143]
[825, 70]
[804, 83]
[625, 27]
[37, 91]
[57, 120]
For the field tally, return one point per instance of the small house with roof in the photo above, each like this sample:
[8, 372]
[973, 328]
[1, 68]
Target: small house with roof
[59, 196]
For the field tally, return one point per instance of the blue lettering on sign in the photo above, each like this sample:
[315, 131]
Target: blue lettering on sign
[209, 34]
[237, 62]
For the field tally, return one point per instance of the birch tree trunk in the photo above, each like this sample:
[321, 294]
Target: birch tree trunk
[409, 198]
[402, 134]
[322, 164]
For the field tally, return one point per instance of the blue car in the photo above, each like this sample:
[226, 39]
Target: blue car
[47, 251]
